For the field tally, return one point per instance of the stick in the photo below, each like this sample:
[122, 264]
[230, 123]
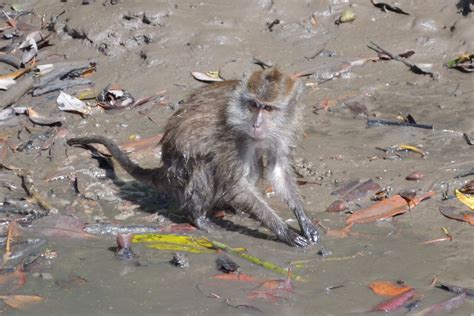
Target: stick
[255, 260]
[375, 122]
[413, 68]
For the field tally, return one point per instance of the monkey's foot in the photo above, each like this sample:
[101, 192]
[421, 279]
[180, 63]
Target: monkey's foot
[203, 223]
[293, 238]
[311, 232]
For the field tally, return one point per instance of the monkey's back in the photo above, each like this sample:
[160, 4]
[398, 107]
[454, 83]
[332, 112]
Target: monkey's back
[191, 131]
[195, 140]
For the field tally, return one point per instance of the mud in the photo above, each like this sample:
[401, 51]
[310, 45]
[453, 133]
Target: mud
[148, 46]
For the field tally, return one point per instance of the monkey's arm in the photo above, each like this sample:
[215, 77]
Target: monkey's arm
[147, 176]
[284, 183]
[248, 200]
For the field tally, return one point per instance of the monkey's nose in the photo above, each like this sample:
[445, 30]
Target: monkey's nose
[257, 122]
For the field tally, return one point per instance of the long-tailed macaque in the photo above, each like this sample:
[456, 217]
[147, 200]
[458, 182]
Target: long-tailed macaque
[226, 137]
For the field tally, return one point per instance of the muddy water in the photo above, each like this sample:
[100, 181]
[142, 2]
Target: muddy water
[146, 55]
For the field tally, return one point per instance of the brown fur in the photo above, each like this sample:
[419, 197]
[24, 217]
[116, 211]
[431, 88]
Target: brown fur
[210, 159]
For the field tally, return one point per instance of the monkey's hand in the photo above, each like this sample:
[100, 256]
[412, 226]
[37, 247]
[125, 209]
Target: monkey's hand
[311, 232]
[203, 223]
[292, 238]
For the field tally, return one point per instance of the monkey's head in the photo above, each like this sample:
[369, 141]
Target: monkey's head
[264, 104]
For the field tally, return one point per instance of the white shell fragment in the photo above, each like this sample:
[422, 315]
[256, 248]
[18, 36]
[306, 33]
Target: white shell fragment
[6, 83]
[204, 77]
[67, 102]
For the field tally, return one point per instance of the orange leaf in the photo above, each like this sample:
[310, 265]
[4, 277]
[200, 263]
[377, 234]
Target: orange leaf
[387, 208]
[88, 72]
[469, 218]
[340, 233]
[274, 284]
[13, 280]
[11, 21]
[22, 302]
[388, 288]
[235, 277]
[13, 232]
[382, 210]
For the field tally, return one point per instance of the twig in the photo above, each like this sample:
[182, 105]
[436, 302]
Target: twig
[456, 289]
[254, 260]
[33, 192]
[376, 122]
[469, 140]
[464, 174]
[413, 68]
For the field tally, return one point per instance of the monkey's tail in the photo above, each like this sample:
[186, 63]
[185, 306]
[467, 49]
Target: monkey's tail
[141, 174]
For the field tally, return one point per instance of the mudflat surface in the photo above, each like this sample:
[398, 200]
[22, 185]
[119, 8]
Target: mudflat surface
[150, 46]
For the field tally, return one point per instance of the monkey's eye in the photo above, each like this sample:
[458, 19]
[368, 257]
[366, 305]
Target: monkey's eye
[268, 108]
[253, 104]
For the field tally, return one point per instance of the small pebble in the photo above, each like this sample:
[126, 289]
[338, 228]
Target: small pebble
[226, 265]
[180, 260]
[414, 176]
[337, 206]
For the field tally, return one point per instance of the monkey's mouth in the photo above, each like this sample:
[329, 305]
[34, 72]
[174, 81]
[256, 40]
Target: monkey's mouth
[257, 133]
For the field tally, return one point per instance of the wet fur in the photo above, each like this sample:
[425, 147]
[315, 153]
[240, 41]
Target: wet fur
[209, 160]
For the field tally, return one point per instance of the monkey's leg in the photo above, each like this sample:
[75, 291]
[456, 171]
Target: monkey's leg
[284, 183]
[197, 198]
[246, 199]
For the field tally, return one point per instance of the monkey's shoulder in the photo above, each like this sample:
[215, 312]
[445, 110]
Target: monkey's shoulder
[193, 129]
[211, 92]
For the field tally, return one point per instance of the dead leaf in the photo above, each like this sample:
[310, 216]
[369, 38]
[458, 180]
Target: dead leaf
[13, 281]
[15, 74]
[206, 77]
[388, 288]
[457, 214]
[40, 119]
[340, 233]
[273, 290]
[395, 302]
[14, 231]
[22, 302]
[386, 208]
[6, 83]
[235, 277]
[60, 226]
[446, 306]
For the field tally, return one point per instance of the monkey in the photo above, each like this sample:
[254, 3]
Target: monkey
[225, 138]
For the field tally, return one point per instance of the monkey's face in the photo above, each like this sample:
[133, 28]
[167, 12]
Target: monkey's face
[263, 104]
[260, 119]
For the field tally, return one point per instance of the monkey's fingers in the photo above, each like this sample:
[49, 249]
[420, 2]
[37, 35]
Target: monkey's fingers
[312, 233]
[296, 240]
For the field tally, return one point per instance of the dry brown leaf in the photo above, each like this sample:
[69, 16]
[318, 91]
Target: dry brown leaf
[14, 280]
[14, 231]
[340, 233]
[387, 208]
[22, 302]
[235, 277]
[457, 214]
